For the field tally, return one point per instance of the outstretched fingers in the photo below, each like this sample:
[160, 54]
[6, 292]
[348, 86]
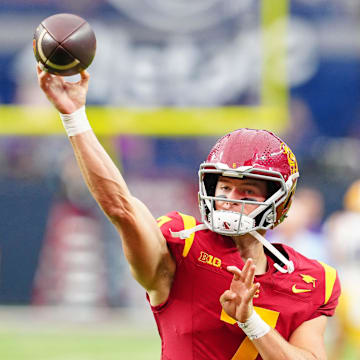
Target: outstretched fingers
[235, 271]
[42, 74]
[252, 291]
[85, 77]
[247, 274]
[250, 276]
[47, 80]
[38, 69]
[237, 301]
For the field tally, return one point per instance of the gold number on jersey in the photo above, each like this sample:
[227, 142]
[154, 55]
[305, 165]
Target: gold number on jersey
[247, 350]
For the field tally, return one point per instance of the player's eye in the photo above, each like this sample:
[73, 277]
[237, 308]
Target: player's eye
[248, 199]
[249, 191]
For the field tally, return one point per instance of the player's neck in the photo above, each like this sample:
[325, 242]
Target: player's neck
[249, 247]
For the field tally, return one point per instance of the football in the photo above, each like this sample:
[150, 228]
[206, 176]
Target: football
[64, 44]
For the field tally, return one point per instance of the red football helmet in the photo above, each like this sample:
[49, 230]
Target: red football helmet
[248, 153]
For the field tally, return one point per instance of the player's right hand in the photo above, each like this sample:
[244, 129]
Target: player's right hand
[67, 97]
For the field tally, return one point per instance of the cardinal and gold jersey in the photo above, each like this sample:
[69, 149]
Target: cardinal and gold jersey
[192, 324]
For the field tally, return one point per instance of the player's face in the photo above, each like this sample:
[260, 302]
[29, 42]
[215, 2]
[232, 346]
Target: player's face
[239, 189]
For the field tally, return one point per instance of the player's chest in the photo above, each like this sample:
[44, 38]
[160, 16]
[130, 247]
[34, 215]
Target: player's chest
[283, 299]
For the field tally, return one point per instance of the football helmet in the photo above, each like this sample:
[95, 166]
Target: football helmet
[248, 153]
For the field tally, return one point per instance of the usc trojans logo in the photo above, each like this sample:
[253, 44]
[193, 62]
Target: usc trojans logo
[291, 158]
[308, 279]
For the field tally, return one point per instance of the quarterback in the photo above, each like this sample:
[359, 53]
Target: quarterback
[218, 289]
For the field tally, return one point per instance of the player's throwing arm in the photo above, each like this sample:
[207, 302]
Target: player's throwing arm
[143, 243]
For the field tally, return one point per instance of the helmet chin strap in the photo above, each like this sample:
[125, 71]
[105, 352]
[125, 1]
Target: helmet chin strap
[288, 264]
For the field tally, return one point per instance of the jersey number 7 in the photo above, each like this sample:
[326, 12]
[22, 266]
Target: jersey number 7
[247, 350]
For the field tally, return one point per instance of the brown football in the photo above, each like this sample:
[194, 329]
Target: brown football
[65, 44]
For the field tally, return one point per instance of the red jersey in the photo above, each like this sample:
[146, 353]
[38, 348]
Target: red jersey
[192, 324]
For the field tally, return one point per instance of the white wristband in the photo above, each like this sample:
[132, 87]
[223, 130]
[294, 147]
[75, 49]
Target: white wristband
[76, 122]
[254, 327]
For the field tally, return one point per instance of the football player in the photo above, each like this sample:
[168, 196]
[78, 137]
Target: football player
[218, 289]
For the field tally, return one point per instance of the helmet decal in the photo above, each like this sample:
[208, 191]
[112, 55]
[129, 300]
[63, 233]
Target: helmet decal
[291, 158]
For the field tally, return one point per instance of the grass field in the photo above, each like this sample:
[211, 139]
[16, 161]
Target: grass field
[28, 335]
[87, 345]
[25, 345]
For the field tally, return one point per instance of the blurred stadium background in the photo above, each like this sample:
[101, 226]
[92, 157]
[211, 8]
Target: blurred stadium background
[169, 78]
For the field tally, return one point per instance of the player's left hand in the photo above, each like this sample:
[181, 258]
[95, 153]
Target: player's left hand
[237, 302]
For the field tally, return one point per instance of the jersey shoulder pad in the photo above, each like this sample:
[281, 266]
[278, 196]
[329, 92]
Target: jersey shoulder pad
[175, 221]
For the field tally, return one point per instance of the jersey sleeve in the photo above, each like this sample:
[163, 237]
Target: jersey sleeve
[172, 223]
[331, 292]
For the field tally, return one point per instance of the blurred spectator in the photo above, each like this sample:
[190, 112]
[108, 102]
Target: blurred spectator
[75, 267]
[301, 229]
[342, 231]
